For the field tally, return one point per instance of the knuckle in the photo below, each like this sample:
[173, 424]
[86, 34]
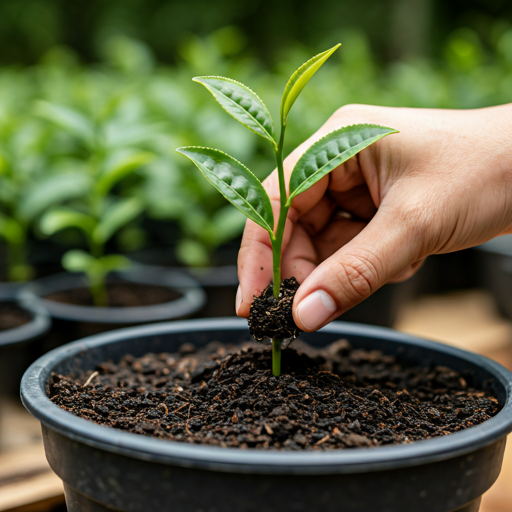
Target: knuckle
[360, 274]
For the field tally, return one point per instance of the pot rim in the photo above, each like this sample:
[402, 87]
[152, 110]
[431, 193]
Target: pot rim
[36, 327]
[33, 393]
[193, 297]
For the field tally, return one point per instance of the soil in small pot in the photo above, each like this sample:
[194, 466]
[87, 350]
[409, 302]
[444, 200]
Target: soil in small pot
[119, 295]
[332, 398]
[12, 316]
[271, 317]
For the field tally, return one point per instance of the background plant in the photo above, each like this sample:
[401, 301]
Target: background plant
[243, 189]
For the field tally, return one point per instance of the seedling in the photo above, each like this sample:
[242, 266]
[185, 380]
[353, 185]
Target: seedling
[243, 189]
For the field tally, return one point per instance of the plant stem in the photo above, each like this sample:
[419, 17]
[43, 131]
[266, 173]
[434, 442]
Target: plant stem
[276, 358]
[277, 242]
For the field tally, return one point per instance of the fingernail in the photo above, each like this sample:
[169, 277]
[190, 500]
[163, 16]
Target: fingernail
[238, 300]
[316, 309]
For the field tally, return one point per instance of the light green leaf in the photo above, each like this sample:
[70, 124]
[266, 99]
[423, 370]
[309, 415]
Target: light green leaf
[78, 261]
[120, 169]
[113, 262]
[68, 119]
[300, 78]
[52, 190]
[242, 103]
[10, 230]
[117, 216]
[62, 218]
[235, 182]
[330, 152]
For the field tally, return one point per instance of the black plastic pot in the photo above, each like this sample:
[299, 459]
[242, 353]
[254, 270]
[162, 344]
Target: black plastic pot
[104, 469]
[496, 271]
[71, 322]
[18, 346]
[219, 281]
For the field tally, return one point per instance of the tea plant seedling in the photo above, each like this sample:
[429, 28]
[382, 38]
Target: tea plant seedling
[243, 189]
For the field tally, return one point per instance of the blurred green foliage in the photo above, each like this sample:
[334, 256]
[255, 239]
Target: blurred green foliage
[65, 127]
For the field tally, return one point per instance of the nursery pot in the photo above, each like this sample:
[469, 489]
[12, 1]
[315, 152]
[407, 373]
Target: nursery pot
[219, 281]
[496, 271]
[18, 346]
[104, 469]
[71, 321]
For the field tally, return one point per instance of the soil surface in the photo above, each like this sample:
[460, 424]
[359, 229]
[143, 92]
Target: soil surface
[337, 397]
[119, 295]
[12, 315]
[271, 318]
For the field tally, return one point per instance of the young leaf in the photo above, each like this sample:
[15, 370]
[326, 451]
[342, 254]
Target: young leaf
[121, 169]
[68, 119]
[330, 151]
[78, 261]
[118, 215]
[300, 78]
[52, 190]
[62, 218]
[235, 182]
[242, 103]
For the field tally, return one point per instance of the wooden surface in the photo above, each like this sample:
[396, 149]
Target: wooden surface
[467, 320]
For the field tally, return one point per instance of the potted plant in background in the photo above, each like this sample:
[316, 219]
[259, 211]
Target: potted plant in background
[100, 290]
[126, 386]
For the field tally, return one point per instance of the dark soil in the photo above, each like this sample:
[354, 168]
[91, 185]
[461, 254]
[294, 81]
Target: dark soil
[12, 315]
[337, 397]
[120, 295]
[272, 318]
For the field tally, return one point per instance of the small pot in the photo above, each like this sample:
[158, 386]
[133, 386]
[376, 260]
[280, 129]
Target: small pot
[18, 346]
[73, 321]
[219, 281]
[104, 469]
[496, 271]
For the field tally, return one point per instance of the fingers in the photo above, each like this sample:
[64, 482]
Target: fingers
[383, 249]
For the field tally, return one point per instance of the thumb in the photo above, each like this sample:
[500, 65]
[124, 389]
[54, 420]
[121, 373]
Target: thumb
[383, 249]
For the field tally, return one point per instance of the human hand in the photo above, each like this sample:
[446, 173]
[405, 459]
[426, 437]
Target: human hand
[444, 183]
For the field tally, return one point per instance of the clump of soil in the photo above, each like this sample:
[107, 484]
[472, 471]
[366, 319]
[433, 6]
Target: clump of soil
[120, 295]
[271, 318]
[333, 398]
[12, 316]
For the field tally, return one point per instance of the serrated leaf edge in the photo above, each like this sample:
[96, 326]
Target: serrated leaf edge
[268, 228]
[270, 136]
[393, 130]
[332, 50]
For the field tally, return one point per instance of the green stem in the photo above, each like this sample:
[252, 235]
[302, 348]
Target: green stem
[276, 358]
[97, 279]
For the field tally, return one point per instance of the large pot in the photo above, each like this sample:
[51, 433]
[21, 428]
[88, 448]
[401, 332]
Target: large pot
[19, 346]
[71, 321]
[104, 469]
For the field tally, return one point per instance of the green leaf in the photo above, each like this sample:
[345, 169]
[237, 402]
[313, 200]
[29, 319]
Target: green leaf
[62, 218]
[300, 78]
[113, 262]
[242, 103]
[330, 152]
[117, 216]
[68, 119]
[122, 168]
[78, 261]
[52, 190]
[10, 230]
[235, 182]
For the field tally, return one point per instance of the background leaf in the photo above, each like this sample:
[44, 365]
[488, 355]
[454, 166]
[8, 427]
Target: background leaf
[331, 151]
[10, 230]
[242, 103]
[62, 218]
[300, 78]
[235, 182]
[77, 260]
[117, 216]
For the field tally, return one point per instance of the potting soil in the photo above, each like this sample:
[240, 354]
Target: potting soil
[332, 398]
[12, 315]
